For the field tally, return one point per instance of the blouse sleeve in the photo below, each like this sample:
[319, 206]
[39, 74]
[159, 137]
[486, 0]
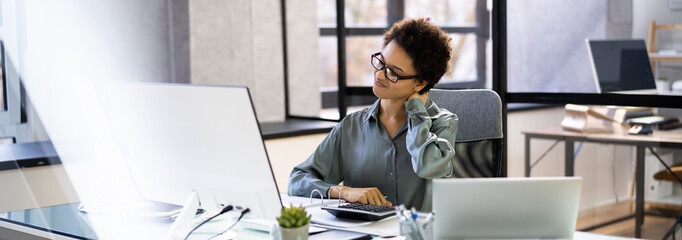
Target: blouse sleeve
[321, 170]
[430, 140]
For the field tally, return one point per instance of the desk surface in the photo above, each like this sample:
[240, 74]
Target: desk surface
[63, 219]
[658, 137]
[66, 221]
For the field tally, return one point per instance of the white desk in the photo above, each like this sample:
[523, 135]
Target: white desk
[65, 222]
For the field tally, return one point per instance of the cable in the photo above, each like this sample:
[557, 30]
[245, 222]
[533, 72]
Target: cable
[231, 226]
[226, 209]
[575, 154]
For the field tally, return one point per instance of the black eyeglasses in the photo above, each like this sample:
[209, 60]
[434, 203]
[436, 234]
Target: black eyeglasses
[390, 74]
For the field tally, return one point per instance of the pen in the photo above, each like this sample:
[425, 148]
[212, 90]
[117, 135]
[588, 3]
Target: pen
[400, 215]
[415, 232]
[429, 217]
[428, 220]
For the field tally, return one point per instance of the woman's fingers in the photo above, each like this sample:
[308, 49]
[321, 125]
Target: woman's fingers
[366, 196]
[375, 198]
[380, 200]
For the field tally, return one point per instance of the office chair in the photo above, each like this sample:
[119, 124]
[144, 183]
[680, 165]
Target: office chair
[479, 136]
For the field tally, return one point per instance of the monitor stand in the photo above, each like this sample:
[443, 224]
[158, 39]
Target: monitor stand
[183, 222]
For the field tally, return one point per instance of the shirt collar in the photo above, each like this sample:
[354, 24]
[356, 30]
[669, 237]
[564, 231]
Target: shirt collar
[373, 111]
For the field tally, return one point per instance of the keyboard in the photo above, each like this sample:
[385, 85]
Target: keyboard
[359, 211]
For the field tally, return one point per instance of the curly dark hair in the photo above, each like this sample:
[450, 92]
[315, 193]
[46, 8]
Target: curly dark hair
[427, 45]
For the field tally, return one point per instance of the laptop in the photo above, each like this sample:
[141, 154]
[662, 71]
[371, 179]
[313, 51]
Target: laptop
[621, 66]
[493, 208]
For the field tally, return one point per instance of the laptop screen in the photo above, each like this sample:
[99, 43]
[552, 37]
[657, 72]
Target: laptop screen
[620, 65]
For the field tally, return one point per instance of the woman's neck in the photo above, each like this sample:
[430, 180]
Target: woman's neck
[392, 109]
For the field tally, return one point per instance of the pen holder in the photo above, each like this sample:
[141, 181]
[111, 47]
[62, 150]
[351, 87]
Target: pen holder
[407, 231]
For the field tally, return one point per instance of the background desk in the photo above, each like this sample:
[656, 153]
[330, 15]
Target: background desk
[641, 142]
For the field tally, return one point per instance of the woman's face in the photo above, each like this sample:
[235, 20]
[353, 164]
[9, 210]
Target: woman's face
[395, 58]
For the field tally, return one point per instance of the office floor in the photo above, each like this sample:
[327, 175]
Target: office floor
[653, 227]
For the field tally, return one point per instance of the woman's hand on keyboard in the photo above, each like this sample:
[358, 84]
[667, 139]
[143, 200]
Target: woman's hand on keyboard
[362, 195]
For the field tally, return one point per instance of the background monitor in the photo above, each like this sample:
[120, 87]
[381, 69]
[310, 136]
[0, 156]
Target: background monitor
[179, 138]
[620, 65]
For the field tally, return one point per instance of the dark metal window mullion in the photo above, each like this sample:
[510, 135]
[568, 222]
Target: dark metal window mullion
[283, 10]
[481, 38]
[377, 31]
[499, 35]
[396, 11]
[341, 58]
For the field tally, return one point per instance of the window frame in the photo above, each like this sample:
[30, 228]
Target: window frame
[346, 96]
[13, 117]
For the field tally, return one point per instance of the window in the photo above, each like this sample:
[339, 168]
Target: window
[3, 89]
[365, 22]
[11, 108]
[546, 64]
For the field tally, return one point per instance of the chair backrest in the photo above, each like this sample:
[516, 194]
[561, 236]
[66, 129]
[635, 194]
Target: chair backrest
[479, 135]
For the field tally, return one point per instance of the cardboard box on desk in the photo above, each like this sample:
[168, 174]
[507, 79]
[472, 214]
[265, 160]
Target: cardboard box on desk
[582, 118]
[621, 114]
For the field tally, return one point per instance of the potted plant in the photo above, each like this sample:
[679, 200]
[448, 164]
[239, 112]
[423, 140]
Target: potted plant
[294, 223]
[662, 85]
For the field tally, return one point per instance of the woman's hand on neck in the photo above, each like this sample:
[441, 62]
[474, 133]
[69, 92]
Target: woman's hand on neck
[422, 97]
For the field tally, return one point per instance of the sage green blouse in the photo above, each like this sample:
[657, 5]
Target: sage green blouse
[360, 153]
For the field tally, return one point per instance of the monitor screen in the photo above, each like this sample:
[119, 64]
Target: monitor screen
[620, 65]
[180, 138]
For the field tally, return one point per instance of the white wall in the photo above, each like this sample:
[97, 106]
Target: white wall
[286, 153]
[240, 43]
[35, 187]
[303, 59]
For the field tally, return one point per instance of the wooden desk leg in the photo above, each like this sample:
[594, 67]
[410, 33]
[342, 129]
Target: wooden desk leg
[527, 157]
[569, 159]
[639, 197]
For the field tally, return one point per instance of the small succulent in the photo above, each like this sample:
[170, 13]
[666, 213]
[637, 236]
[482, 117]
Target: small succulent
[293, 217]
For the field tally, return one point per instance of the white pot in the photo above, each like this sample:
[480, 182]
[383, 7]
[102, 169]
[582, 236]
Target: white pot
[662, 86]
[299, 233]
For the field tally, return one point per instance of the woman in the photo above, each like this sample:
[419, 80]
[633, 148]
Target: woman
[388, 152]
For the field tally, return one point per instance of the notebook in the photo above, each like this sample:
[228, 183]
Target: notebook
[493, 208]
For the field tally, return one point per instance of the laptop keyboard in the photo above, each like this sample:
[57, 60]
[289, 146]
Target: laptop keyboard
[359, 211]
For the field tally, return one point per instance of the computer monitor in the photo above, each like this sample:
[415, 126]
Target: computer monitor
[621, 65]
[180, 138]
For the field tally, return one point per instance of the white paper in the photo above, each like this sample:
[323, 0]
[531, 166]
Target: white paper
[304, 201]
[336, 234]
[325, 218]
[385, 227]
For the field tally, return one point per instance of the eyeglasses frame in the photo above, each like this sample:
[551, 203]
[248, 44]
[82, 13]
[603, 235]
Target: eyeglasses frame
[386, 69]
